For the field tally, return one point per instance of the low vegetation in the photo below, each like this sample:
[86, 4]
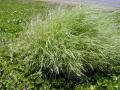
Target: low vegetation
[66, 48]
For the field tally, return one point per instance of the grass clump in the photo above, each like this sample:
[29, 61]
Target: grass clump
[69, 44]
[56, 44]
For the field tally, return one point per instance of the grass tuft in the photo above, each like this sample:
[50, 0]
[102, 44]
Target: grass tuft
[74, 41]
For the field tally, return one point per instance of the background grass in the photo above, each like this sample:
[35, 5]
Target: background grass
[14, 18]
[63, 48]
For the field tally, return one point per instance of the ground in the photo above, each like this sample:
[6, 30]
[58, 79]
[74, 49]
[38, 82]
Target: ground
[98, 3]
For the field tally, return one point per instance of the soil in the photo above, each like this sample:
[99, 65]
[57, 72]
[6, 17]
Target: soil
[97, 3]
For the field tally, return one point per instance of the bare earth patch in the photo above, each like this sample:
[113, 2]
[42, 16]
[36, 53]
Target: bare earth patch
[107, 4]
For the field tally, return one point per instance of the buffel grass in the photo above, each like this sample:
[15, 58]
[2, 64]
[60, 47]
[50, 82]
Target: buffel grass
[75, 41]
[68, 44]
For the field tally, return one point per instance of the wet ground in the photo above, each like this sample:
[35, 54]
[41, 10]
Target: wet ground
[98, 3]
[105, 3]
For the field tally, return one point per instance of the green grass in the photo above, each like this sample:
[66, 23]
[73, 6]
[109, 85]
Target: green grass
[14, 19]
[69, 49]
[15, 15]
[72, 39]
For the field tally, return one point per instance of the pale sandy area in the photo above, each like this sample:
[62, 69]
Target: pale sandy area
[110, 4]
[64, 1]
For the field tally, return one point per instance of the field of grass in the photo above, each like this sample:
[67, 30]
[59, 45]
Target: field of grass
[58, 48]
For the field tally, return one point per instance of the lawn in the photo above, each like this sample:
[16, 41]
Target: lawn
[44, 47]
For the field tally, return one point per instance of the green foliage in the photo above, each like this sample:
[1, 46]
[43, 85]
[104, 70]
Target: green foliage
[14, 18]
[70, 49]
[14, 15]
[103, 83]
[112, 83]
